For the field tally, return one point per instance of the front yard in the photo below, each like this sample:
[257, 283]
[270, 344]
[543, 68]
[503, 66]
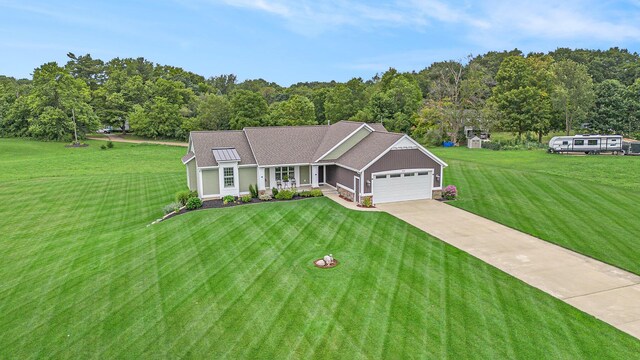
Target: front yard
[588, 204]
[83, 276]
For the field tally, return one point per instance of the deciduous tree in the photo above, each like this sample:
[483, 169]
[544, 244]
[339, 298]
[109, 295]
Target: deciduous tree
[247, 109]
[609, 113]
[297, 110]
[573, 92]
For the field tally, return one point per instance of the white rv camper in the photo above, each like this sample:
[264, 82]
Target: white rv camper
[589, 144]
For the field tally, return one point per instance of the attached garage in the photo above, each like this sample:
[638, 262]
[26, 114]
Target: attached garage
[402, 185]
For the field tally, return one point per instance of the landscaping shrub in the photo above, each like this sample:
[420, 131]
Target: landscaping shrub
[316, 193]
[253, 190]
[450, 192]
[110, 144]
[367, 202]
[311, 193]
[103, 147]
[168, 209]
[284, 195]
[183, 196]
[513, 144]
[274, 192]
[246, 198]
[228, 199]
[264, 197]
[193, 203]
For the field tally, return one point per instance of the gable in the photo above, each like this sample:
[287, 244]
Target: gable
[405, 143]
[347, 144]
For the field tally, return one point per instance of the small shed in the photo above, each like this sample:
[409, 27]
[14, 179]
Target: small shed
[474, 143]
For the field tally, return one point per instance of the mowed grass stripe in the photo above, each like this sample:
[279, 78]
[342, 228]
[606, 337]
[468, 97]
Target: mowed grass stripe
[283, 291]
[586, 204]
[174, 272]
[588, 218]
[250, 272]
[203, 284]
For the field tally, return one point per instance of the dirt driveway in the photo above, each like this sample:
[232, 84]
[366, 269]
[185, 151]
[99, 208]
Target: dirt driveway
[606, 292]
[119, 139]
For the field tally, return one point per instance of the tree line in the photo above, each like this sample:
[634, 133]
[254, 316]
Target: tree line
[534, 93]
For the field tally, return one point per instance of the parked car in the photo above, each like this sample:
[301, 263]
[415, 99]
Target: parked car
[104, 131]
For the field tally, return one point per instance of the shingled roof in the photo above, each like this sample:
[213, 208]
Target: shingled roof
[368, 149]
[205, 141]
[278, 145]
[334, 134]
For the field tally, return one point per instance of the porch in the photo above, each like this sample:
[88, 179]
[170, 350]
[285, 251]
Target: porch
[291, 176]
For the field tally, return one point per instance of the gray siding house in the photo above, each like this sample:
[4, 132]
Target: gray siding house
[358, 159]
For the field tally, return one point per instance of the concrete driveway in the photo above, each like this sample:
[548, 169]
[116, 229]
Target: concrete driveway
[606, 292]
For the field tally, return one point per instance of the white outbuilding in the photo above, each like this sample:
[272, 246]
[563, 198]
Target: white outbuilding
[474, 143]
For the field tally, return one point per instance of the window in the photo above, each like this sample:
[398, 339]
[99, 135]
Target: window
[423, 173]
[381, 176]
[565, 143]
[612, 140]
[287, 171]
[395, 175]
[409, 174]
[578, 142]
[228, 177]
[592, 142]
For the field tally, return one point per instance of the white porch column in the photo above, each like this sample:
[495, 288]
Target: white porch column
[261, 179]
[314, 176]
[199, 185]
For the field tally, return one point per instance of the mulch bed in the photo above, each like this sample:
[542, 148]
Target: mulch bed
[76, 145]
[218, 203]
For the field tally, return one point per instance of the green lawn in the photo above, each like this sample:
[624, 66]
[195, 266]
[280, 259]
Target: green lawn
[585, 203]
[83, 276]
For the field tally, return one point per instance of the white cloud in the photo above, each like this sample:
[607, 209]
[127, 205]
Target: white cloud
[490, 22]
[569, 20]
[313, 17]
[275, 7]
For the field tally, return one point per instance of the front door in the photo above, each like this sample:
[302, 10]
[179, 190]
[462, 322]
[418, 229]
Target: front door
[321, 174]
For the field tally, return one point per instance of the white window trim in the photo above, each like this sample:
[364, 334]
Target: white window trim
[225, 177]
[290, 170]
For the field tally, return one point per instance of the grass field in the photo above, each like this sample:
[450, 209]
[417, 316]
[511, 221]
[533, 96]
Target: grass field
[83, 276]
[585, 203]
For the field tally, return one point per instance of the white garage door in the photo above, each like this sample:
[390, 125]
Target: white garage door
[414, 185]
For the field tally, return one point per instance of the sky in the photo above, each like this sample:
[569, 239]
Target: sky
[289, 41]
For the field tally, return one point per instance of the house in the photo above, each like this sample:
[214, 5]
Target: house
[358, 159]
